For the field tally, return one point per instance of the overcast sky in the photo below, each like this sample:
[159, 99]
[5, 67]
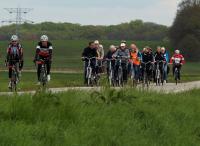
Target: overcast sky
[97, 12]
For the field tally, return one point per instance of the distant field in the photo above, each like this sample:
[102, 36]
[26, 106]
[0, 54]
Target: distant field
[67, 53]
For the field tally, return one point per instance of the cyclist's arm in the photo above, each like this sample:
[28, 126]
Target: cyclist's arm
[50, 52]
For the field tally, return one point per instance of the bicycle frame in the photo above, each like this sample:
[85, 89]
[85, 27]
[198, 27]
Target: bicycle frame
[145, 74]
[43, 71]
[158, 75]
[120, 79]
[14, 77]
[89, 72]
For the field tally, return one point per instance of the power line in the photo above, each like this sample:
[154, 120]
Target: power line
[19, 18]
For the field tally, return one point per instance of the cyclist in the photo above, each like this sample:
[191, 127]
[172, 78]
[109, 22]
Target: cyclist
[125, 54]
[177, 60]
[89, 52]
[100, 51]
[159, 56]
[147, 57]
[14, 56]
[44, 51]
[166, 67]
[109, 56]
[135, 59]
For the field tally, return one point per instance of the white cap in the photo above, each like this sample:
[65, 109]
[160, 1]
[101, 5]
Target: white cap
[96, 42]
[123, 45]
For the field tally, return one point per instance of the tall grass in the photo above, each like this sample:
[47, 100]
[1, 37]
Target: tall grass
[106, 118]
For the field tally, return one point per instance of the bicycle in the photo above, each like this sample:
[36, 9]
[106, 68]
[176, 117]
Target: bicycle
[120, 74]
[111, 77]
[176, 73]
[146, 77]
[43, 72]
[159, 75]
[91, 75]
[135, 74]
[14, 76]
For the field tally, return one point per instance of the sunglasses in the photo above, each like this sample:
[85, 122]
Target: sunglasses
[14, 41]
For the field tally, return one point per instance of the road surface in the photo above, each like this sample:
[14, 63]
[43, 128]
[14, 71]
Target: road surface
[168, 88]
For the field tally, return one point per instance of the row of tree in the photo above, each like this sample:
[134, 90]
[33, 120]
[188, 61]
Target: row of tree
[185, 31]
[134, 30]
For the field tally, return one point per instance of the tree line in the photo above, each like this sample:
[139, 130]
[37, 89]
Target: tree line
[134, 30]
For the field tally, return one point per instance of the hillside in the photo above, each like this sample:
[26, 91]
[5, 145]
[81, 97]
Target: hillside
[134, 30]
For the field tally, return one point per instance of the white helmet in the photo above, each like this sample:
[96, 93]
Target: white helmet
[44, 38]
[14, 38]
[177, 51]
[96, 42]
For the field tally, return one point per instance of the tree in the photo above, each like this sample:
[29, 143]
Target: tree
[185, 31]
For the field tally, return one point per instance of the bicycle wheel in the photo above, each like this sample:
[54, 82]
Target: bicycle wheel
[176, 76]
[43, 76]
[13, 81]
[89, 76]
[120, 76]
[110, 77]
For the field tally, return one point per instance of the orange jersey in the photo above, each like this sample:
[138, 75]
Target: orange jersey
[134, 58]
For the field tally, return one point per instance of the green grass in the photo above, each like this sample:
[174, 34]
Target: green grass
[105, 118]
[29, 80]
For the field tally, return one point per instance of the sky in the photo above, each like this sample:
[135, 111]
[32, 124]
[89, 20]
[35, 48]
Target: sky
[95, 12]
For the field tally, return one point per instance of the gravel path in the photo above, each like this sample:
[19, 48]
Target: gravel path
[168, 88]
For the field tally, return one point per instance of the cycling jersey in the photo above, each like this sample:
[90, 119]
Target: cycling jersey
[44, 51]
[177, 59]
[14, 52]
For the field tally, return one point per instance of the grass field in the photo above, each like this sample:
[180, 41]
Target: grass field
[106, 118]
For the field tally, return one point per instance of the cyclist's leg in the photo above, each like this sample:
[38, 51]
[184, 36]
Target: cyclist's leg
[137, 72]
[125, 72]
[21, 65]
[179, 72]
[85, 72]
[173, 69]
[39, 66]
[165, 72]
[48, 63]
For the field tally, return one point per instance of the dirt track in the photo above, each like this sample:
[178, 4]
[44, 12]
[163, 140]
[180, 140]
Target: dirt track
[168, 88]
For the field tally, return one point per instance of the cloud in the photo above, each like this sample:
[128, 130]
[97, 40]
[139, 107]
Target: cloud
[97, 11]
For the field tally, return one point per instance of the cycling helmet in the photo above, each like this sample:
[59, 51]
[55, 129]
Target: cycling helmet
[14, 38]
[177, 51]
[96, 42]
[123, 45]
[44, 38]
[123, 41]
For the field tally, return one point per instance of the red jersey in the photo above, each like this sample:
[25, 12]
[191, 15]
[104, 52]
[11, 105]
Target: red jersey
[177, 59]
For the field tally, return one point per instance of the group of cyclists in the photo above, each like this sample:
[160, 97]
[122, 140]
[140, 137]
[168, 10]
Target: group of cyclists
[15, 57]
[129, 60]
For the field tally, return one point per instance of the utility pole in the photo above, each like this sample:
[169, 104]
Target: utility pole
[19, 18]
